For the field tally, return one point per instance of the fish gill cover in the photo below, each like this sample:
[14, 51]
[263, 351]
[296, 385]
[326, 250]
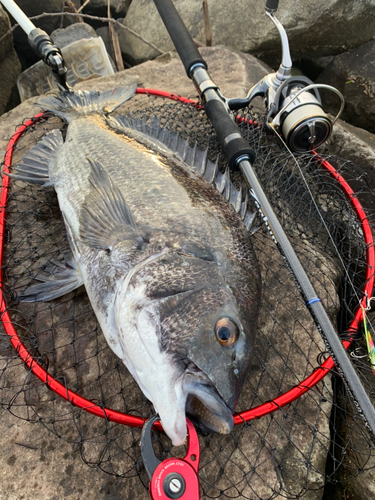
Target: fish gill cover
[298, 448]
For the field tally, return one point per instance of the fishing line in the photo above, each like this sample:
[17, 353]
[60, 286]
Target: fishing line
[348, 277]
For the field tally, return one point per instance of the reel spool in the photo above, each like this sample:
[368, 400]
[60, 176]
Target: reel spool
[299, 116]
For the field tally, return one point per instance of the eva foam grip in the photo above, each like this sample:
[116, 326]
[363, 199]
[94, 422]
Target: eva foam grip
[180, 36]
[229, 135]
[272, 4]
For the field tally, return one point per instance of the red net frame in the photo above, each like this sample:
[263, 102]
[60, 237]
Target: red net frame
[126, 419]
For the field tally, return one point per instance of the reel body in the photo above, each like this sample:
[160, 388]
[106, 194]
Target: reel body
[294, 106]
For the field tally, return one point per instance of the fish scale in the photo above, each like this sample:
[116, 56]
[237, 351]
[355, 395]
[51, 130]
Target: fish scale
[151, 190]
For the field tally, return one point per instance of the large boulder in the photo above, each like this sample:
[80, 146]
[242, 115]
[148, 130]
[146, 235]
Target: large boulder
[356, 145]
[353, 73]
[30, 447]
[284, 438]
[313, 30]
[10, 66]
[78, 31]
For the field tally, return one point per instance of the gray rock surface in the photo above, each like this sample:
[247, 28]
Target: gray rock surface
[103, 32]
[325, 28]
[64, 36]
[6, 44]
[36, 465]
[353, 143]
[10, 66]
[353, 73]
[358, 146]
[233, 71]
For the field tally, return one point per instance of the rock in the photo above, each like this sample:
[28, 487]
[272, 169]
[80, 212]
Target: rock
[354, 144]
[312, 67]
[6, 45]
[9, 70]
[37, 7]
[353, 73]
[51, 469]
[358, 146]
[242, 24]
[267, 455]
[233, 71]
[10, 66]
[103, 32]
[64, 36]
[100, 8]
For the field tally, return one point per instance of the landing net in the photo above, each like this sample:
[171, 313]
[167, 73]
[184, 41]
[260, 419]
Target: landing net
[309, 435]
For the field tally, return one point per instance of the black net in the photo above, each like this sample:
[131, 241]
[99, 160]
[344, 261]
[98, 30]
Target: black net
[316, 440]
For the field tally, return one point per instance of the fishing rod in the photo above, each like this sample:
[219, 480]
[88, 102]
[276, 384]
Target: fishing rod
[40, 42]
[240, 156]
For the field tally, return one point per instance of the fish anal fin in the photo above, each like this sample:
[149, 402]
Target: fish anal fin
[105, 218]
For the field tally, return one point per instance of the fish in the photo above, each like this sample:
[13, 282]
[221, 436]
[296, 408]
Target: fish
[160, 239]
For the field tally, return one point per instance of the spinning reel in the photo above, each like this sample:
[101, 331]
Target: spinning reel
[294, 106]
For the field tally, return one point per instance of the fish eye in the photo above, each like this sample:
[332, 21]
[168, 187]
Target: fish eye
[226, 331]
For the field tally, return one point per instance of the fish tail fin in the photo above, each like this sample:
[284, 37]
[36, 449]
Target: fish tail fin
[71, 104]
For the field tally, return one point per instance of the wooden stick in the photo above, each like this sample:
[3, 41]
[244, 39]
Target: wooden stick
[83, 6]
[72, 8]
[207, 26]
[115, 44]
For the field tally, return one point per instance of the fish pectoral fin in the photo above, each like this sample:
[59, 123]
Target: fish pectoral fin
[105, 218]
[62, 279]
[35, 164]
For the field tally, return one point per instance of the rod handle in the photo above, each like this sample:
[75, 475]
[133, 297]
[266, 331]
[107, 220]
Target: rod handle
[271, 5]
[180, 36]
[231, 140]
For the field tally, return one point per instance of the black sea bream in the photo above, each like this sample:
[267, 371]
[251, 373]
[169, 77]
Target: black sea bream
[167, 262]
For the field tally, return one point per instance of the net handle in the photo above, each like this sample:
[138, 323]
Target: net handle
[126, 419]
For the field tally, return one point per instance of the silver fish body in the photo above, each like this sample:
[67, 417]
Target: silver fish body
[167, 263]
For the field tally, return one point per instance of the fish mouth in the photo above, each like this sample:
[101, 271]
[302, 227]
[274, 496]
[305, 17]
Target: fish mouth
[204, 406]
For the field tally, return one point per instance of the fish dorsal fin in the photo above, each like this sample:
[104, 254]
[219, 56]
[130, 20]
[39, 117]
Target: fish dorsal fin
[71, 104]
[35, 164]
[105, 217]
[192, 156]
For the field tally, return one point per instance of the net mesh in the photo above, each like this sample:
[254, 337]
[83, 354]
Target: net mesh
[316, 440]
